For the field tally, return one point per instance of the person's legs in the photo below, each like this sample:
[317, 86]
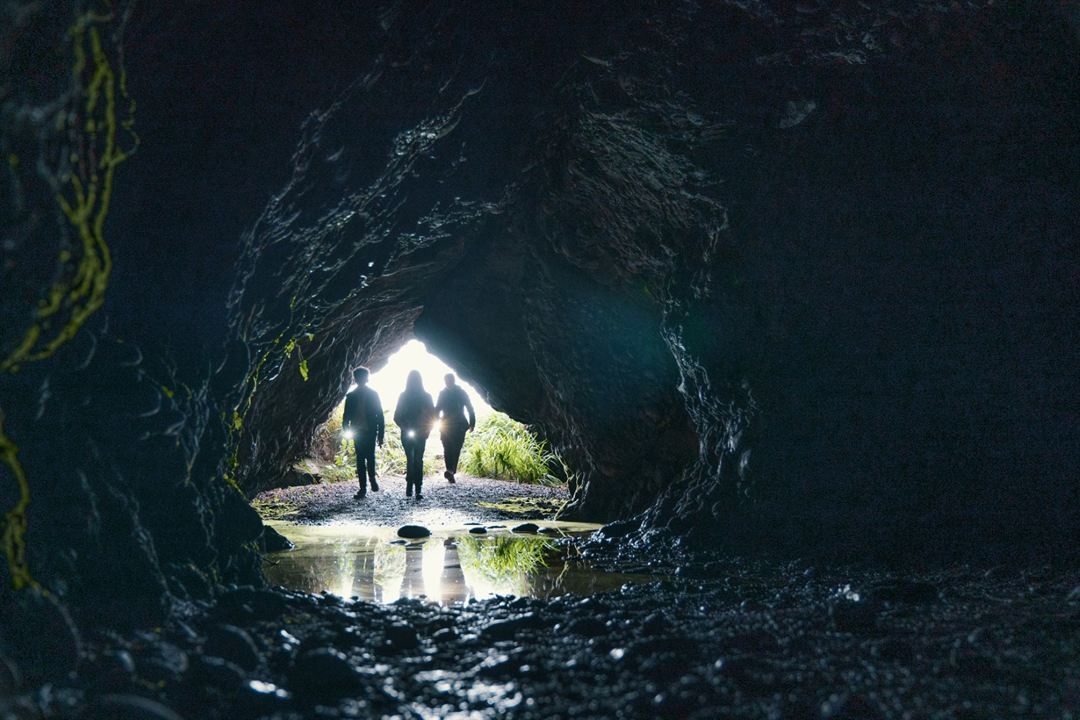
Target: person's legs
[452, 441]
[407, 446]
[361, 460]
[419, 455]
[365, 445]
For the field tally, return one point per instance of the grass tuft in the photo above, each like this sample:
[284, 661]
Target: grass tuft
[504, 449]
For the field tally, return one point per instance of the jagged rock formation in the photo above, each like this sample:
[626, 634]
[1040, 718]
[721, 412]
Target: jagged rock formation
[778, 271]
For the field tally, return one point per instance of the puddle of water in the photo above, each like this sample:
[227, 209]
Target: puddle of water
[451, 566]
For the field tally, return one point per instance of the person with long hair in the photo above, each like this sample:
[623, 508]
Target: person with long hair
[415, 415]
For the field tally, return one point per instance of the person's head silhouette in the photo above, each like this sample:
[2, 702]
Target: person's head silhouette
[360, 375]
[449, 380]
[414, 383]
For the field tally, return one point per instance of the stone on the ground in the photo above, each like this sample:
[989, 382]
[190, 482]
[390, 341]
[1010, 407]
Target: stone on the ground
[218, 672]
[477, 531]
[128, 707]
[232, 644]
[324, 672]
[528, 527]
[413, 532]
[273, 541]
[401, 636]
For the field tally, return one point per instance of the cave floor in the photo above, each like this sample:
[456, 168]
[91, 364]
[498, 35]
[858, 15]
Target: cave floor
[721, 638]
[470, 499]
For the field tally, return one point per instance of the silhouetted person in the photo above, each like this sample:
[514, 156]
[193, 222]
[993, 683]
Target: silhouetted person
[456, 412]
[364, 418]
[415, 415]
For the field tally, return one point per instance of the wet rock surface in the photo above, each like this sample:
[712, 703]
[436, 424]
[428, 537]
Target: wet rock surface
[748, 639]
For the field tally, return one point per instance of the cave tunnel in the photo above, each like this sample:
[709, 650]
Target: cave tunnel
[789, 287]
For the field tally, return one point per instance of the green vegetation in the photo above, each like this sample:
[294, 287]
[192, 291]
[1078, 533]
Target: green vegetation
[504, 449]
[500, 448]
[272, 508]
[525, 508]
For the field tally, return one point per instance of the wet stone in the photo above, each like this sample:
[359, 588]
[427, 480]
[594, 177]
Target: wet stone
[162, 661]
[218, 672]
[401, 636]
[588, 627]
[525, 528]
[477, 531]
[127, 707]
[232, 644]
[445, 635]
[413, 532]
[323, 671]
[655, 624]
[509, 628]
[273, 541]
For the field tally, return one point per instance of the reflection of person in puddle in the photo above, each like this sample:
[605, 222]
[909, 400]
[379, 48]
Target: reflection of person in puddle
[415, 415]
[413, 586]
[456, 417]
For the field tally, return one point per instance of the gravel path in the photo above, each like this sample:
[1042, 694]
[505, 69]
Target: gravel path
[334, 503]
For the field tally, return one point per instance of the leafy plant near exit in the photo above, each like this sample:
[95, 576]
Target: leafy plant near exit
[504, 449]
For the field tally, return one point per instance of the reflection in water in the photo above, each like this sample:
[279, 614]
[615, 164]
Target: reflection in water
[447, 567]
[502, 565]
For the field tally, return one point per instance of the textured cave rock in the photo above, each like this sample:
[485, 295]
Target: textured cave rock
[767, 271]
[767, 294]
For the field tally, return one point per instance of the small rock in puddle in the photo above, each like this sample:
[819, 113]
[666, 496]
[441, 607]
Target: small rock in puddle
[477, 531]
[413, 532]
[525, 528]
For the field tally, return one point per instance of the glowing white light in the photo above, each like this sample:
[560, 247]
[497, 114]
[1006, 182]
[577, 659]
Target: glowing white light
[411, 433]
[348, 434]
[389, 381]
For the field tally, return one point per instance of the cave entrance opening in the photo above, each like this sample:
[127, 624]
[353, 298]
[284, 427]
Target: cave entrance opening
[493, 532]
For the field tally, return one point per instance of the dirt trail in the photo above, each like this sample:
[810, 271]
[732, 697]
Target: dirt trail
[471, 498]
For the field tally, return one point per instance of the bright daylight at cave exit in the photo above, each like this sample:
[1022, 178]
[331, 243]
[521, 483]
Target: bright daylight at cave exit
[389, 380]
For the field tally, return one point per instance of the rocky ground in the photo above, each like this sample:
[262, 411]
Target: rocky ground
[474, 498]
[719, 638]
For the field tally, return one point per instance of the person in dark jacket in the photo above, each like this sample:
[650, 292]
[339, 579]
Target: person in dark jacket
[364, 420]
[415, 415]
[456, 417]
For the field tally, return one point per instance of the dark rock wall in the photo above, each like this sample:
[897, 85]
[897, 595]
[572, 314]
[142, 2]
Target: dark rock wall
[787, 273]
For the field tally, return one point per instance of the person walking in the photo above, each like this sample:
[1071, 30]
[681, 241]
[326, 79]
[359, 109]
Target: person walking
[457, 417]
[363, 419]
[415, 415]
